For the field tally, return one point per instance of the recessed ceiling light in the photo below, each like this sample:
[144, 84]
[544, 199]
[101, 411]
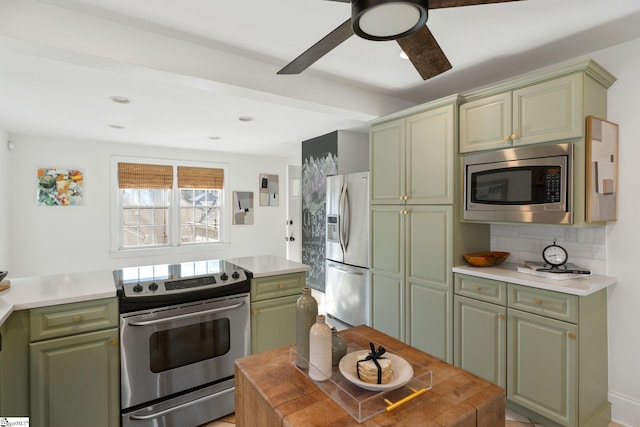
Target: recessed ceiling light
[246, 118]
[116, 126]
[120, 99]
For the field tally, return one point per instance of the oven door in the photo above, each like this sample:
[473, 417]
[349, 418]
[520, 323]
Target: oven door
[172, 349]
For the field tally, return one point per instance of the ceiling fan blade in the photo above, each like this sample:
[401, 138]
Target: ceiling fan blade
[424, 53]
[439, 4]
[319, 49]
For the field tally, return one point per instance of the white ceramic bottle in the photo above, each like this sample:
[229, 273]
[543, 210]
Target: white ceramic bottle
[320, 350]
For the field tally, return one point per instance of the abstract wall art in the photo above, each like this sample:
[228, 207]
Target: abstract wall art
[602, 170]
[60, 187]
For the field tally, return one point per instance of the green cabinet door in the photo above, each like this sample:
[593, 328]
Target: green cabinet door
[14, 365]
[485, 124]
[387, 162]
[388, 304]
[542, 365]
[273, 323]
[549, 111]
[480, 339]
[75, 381]
[429, 154]
[429, 237]
[387, 240]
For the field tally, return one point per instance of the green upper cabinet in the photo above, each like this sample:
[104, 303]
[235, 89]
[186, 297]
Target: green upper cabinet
[546, 106]
[387, 167]
[486, 123]
[543, 112]
[549, 111]
[411, 158]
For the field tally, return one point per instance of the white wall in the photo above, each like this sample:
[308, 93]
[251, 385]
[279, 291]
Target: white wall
[51, 240]
[610, 250]
[5, 185]
[623, 236]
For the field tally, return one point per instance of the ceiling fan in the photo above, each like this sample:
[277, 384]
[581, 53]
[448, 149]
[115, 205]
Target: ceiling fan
[401, 20]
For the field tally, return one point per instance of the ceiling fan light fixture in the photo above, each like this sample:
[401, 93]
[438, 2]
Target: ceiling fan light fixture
[388, 19]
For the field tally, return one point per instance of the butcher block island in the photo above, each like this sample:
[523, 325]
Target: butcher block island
[271, 391]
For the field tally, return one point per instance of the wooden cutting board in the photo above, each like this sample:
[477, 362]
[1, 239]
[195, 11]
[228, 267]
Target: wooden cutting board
[5, 284]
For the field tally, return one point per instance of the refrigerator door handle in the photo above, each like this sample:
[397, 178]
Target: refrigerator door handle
[346, 215]
[341, 219]
[346, 269]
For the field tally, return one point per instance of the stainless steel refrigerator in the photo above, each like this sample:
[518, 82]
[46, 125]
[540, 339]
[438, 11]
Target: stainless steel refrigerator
[347, 285]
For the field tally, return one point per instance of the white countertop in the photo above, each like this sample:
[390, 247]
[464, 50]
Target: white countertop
[33, 292]
[507, 272]
[268, 265]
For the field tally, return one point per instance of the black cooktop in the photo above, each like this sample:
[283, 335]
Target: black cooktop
[161, 285]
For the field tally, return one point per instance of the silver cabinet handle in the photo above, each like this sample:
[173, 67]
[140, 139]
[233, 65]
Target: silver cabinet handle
[181, 406]
[186, 316]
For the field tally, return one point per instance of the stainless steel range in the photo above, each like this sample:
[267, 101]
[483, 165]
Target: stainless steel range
[181, 328]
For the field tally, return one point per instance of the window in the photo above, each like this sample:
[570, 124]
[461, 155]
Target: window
[165, 205]
[200, 203]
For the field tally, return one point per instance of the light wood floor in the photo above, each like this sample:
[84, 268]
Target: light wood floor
[512, 420]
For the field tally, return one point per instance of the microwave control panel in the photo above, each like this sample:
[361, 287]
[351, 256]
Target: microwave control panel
[553, 182]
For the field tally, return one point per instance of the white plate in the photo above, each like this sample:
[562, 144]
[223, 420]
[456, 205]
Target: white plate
[402, 371]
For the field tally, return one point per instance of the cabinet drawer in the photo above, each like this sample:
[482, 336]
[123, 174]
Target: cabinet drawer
[483, 289]
[547, 303]
[277, 286]
[70, 319]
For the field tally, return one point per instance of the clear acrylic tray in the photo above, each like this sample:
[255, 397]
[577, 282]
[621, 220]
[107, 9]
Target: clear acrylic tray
[363, 404]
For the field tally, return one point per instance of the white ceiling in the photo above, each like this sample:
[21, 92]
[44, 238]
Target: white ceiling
[192, 67]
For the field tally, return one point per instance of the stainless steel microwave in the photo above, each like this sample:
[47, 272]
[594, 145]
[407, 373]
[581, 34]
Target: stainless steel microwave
[525, 184]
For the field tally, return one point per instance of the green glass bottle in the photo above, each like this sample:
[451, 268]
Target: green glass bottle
[306, 312]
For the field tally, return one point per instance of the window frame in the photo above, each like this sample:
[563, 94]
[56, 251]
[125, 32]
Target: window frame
[174, 245]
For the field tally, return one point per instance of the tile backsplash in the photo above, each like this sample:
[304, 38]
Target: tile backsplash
[586, 246]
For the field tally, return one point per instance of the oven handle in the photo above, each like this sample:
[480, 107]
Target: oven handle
[186, 316]
[181, 406]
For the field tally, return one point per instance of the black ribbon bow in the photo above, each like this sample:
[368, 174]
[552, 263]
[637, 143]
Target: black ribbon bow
[373, 355]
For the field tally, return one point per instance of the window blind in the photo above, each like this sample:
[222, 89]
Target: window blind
[205, 178]
[140, 175]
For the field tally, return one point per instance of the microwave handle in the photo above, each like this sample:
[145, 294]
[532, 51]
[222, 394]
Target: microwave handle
[186, 316]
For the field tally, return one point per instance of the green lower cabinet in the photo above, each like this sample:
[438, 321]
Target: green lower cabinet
[273, 323]
[388, 307]
[480, 339]
[544, 347]
[542, 373]
[430, 326]
[14, 365]
[75, 381]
